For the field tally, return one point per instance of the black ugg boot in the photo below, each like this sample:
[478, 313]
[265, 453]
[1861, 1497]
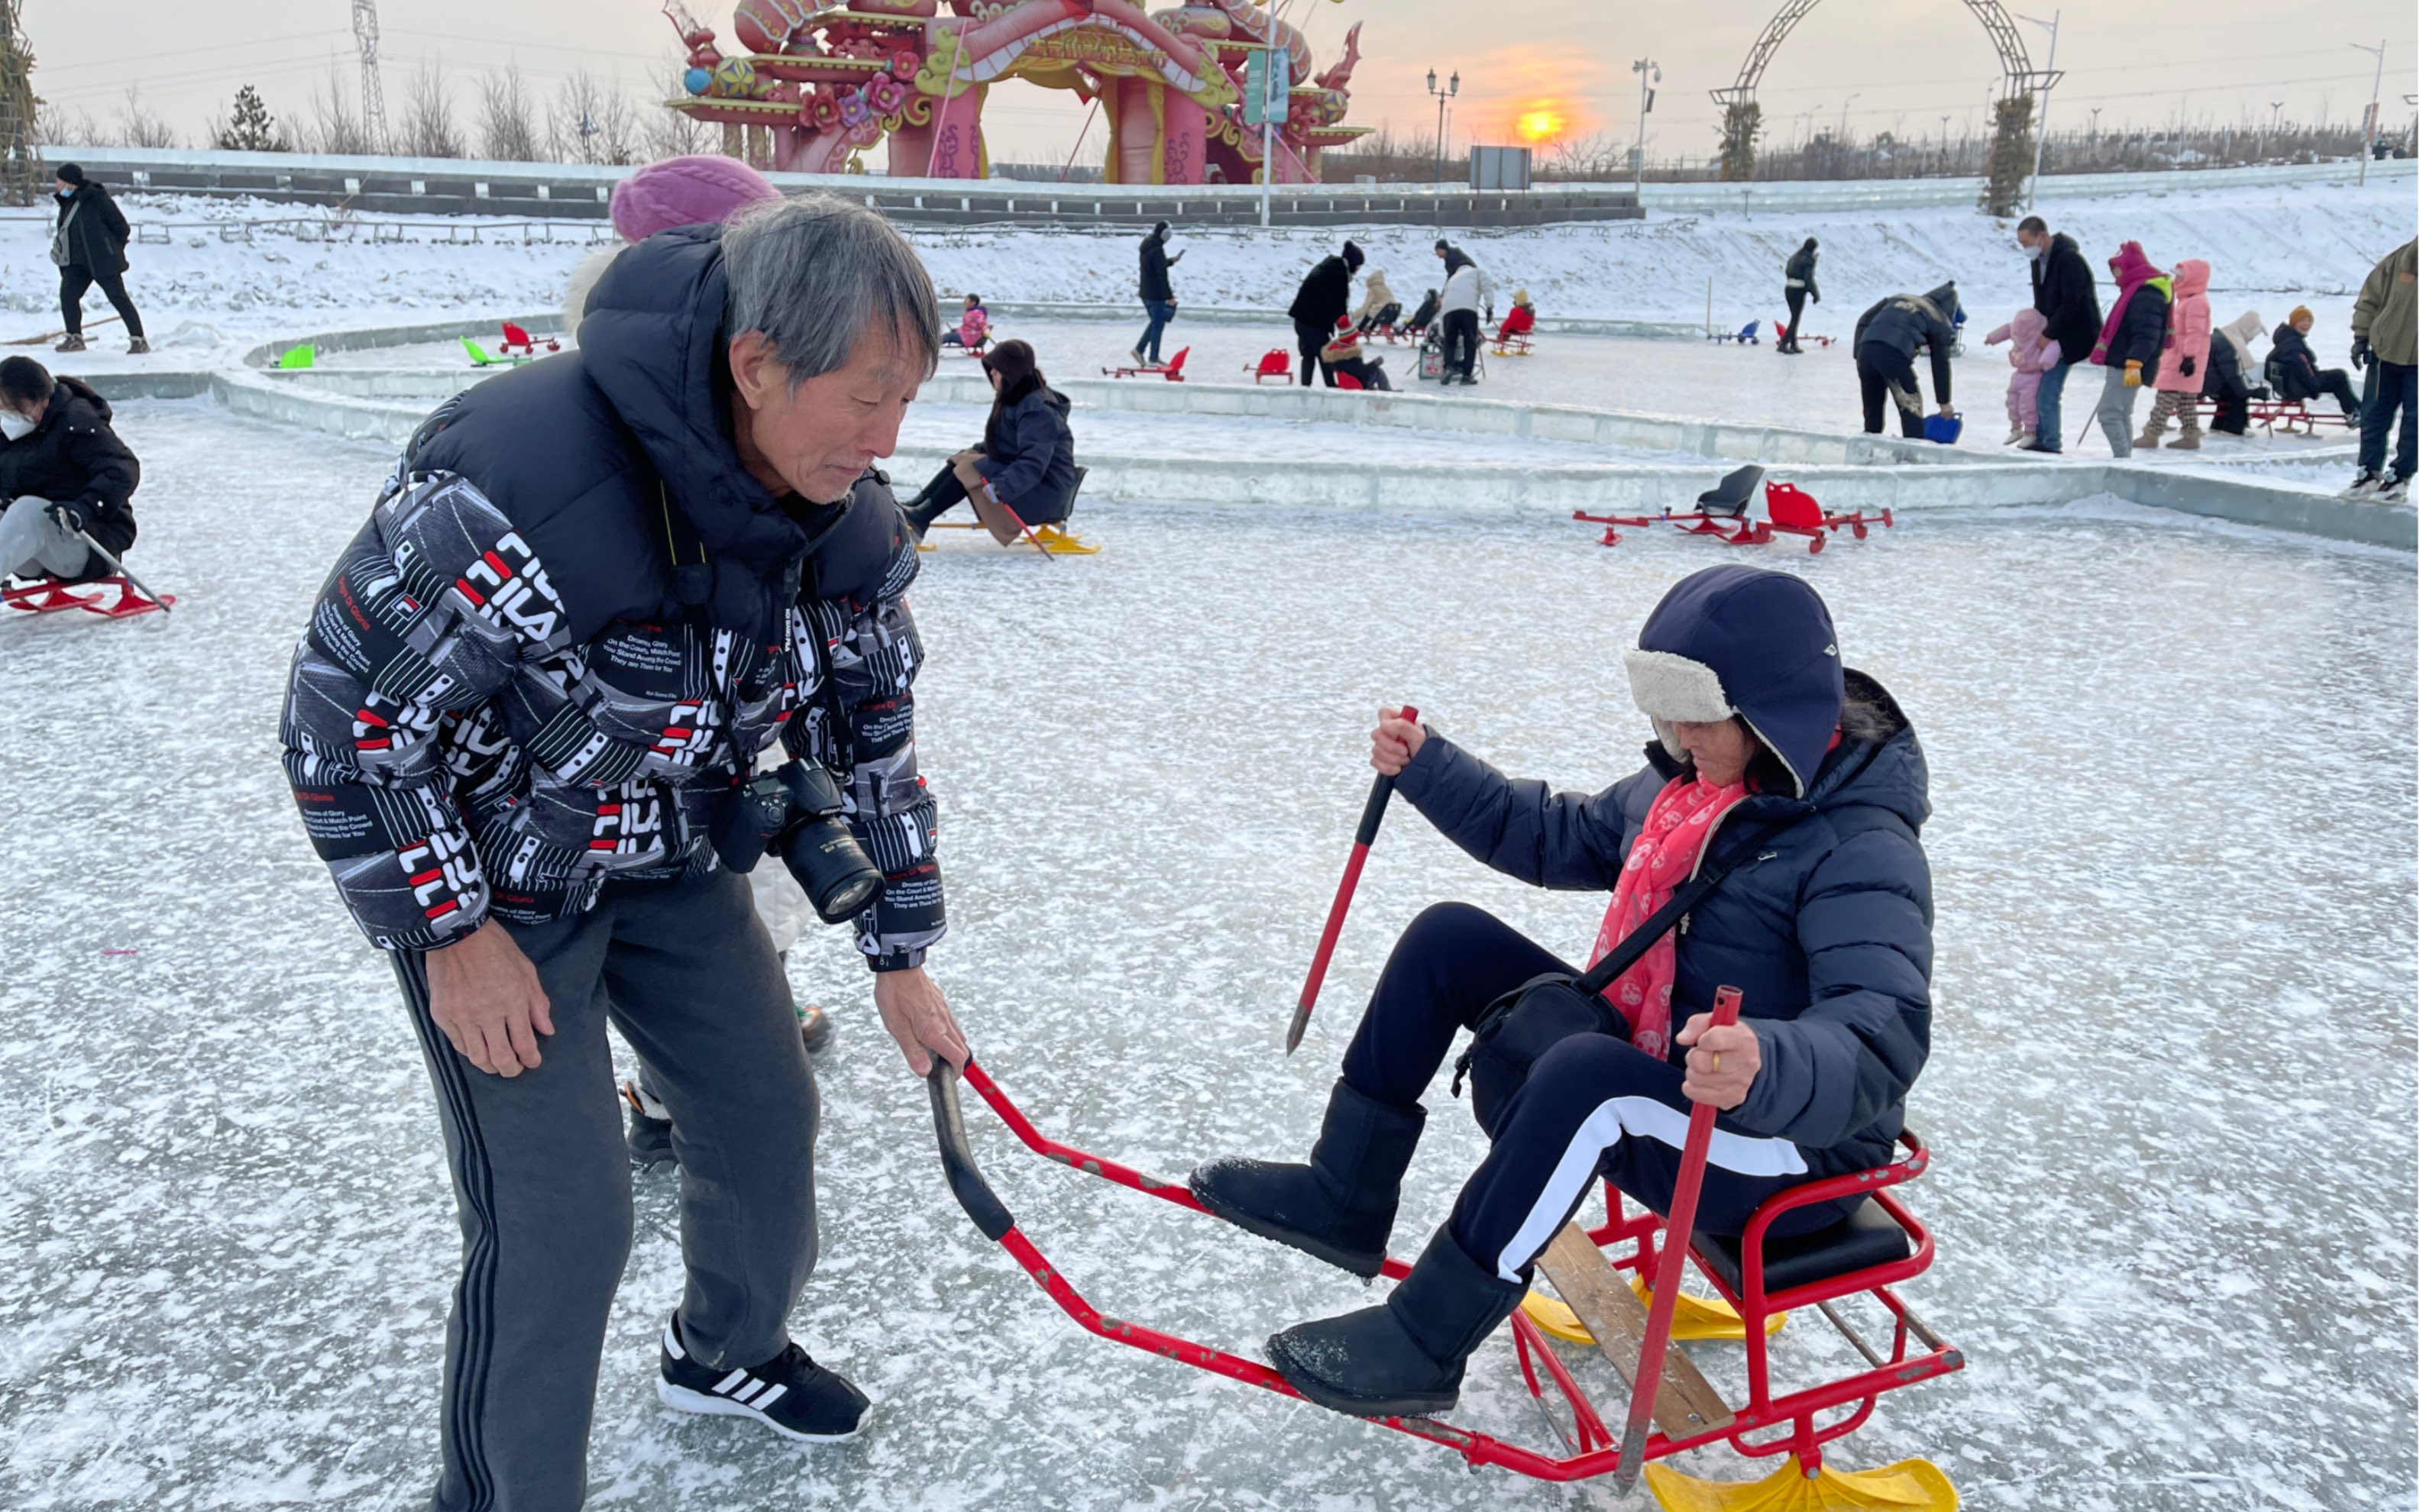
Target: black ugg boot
[1342, 1206]
[1404, 1358]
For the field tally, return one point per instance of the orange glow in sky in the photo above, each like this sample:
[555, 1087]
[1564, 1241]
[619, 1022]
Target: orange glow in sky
[1540, 123]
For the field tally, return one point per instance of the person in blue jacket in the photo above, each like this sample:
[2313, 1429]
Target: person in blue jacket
[1771, 759]
[1026, 460]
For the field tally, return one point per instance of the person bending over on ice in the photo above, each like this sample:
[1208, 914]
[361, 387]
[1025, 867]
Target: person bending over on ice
[64, 475]
[1026, 460]
[520, 726]
[1885, 343]
[1344, 358]
[1772, 764]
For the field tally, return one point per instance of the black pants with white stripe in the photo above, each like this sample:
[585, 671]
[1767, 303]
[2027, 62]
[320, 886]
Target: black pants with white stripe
[542, 1180]
[1593, 1105]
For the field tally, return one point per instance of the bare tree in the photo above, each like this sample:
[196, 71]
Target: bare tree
[668, 133]
[509, 129]
[617, 127]
[138, 128]
[335, 125]
[426, 127]
[68, 125]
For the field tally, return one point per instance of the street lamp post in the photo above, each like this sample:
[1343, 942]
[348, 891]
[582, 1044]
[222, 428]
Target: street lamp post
[1452, 87]
[2370, 120]
[1647, 70]
[2049, 81]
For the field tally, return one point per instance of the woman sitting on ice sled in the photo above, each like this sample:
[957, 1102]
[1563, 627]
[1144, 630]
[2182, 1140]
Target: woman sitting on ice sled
[1800, 781]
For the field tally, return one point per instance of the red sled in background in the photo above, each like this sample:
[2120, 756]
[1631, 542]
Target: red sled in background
[518, 339]
[1172, 370]
[1722, 513]
[1274, 363]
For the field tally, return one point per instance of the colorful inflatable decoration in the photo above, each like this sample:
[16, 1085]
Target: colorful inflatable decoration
[819, 85]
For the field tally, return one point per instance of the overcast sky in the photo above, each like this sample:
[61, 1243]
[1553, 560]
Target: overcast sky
[1890, 65]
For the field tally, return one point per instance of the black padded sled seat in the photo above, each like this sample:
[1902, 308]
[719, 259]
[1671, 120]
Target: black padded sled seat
[1731, 495]
[1866, 1236]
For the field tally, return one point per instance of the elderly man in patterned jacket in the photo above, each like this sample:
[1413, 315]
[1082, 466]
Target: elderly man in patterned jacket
[523, 728]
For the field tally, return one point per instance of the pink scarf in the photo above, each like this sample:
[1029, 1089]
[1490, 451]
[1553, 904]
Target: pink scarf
[1669, 845]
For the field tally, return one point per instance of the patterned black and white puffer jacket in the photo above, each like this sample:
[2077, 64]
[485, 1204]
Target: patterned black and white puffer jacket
[573, 620]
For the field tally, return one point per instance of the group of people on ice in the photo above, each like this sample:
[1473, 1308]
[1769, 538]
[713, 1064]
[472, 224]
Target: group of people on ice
[626, 627]
[2156, 333]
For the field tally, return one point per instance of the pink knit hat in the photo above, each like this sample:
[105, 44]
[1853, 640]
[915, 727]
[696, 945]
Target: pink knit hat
[698, 191]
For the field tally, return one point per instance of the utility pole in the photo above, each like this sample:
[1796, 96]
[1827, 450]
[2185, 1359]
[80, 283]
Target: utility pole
[2049, 77]
[2370, 119]
[1268, 78]
[1452, 87]
[365, 33]
[1647, 70]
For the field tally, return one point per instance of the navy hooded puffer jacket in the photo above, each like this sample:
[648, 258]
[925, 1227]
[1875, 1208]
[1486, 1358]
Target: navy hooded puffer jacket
[1826, 929]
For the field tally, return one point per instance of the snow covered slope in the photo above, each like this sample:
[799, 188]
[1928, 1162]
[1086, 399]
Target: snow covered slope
[2269, 246]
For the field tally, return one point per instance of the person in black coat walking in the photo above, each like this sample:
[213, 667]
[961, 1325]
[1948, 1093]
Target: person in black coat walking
[1887, 341]
[90, 246]
[1158, 295]
[1324, 298]
[1798, 287]
[63, 474]
[2070, 311]
[1026, 460]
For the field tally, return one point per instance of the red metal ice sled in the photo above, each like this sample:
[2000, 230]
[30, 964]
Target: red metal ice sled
[518, 339]
[1172, 370]
[1275, 364]
[1722, 513]
[48, 596]
[1878, 1245]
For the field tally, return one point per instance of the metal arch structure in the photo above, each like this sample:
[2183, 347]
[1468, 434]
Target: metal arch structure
[1743, 117]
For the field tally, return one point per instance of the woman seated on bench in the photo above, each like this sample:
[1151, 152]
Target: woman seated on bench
[65, 477]
[1824, 926]
[1026, 460]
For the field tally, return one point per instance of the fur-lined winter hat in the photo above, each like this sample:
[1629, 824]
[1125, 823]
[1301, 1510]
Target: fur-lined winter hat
[1746, 643]
[705, 189]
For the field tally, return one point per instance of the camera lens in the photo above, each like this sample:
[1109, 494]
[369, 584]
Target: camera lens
[840, 879]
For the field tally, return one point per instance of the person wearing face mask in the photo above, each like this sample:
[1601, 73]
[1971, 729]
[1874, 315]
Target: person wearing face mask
[2070, 311]
[522, 727]
[64, 475]
[90, 246]
[1797, 786]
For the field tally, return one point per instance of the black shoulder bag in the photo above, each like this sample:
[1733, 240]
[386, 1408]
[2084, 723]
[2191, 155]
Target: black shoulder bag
[1541, 1012]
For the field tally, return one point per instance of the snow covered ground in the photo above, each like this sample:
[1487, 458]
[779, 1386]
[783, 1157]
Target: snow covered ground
[2171, 1097]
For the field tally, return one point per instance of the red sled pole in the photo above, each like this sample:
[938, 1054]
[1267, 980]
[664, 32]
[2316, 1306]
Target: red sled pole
[1678, 1226]
[1375, 809]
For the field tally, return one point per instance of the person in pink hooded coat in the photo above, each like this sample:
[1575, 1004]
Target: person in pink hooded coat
[2032, 354]
[2182, 360]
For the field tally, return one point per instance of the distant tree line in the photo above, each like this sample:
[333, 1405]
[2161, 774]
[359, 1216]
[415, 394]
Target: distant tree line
[1604, 157]
[500, 114]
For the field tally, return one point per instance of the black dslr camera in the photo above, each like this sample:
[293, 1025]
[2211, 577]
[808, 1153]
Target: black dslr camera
[795, 813]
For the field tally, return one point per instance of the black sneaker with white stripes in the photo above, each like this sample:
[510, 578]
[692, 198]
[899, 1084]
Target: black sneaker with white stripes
[789, 1394]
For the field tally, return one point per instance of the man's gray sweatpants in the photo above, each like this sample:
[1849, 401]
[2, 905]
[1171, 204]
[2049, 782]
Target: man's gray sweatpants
[542, 1179]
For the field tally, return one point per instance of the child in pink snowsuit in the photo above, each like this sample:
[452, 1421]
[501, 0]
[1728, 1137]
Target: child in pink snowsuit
[2031, 356]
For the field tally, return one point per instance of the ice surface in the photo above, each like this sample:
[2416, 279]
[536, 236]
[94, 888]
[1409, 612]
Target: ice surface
[2172, 1095]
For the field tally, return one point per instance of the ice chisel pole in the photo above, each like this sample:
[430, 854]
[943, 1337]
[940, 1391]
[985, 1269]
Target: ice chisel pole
[1669, 1262]
[1372, 813]
[119, 567]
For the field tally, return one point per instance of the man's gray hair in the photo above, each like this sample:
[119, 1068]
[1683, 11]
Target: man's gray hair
[815, 272]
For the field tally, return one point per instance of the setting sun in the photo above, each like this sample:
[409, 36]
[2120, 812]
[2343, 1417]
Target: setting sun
[1540, 124]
